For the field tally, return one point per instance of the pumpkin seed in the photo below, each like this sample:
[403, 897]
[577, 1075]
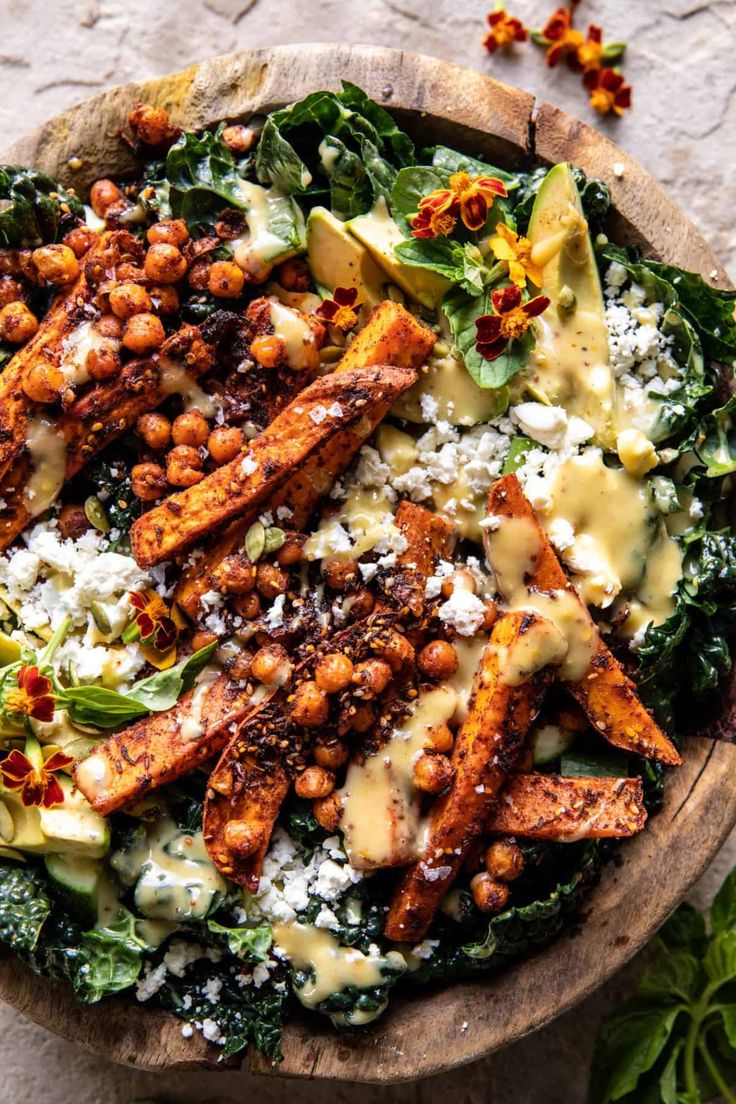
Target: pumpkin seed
[96, 514]
[7, 825]
[100, 618]
[255, 542]
[274, 539]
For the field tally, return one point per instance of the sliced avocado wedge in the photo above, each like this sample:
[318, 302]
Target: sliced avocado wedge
[380, 234]
[570, 362]
[337, 259]
[72, 827]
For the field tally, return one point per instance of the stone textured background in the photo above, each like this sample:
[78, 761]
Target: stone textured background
[682, 127]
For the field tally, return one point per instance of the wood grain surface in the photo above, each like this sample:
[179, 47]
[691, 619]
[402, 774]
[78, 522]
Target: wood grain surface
[432, 1030]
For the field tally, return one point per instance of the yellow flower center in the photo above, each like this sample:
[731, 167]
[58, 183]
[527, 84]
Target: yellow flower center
[460, 183]
[503, 32]
[345, 318]
[155, 607]
[18, 700]
[515, 323]
[601, 100]
[589, 54]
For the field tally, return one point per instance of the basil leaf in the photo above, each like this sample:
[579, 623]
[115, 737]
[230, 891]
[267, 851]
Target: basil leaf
[451, 161]
[461, 311]
[162, 690]
[685, 931]
[723, 909]
[202, 175]
[98, 706]
[250, 944]
[720, 957]
[668, 1077]
[673, 974]
[628, 1044]
[462, 264]
[410, 186]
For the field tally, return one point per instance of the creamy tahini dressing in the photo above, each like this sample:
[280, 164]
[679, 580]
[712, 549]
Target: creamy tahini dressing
[259, 247]
[76, 347]
[542, 645]
[296, 334]
[176, 380]
[47, 450]
[367, 516]
[192, 724]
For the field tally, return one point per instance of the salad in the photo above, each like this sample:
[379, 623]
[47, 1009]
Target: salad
[364, 552]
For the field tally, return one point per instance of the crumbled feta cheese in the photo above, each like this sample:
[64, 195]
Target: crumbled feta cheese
[274, 619]
[545, 424]
[212, 1032]
[151, 982]
[426, 948]
[211, 990]
[463, 611]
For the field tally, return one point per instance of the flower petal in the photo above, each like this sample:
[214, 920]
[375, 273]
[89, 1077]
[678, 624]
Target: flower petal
[506, 299]
[492, 350]
[487, 328]
[536, 306]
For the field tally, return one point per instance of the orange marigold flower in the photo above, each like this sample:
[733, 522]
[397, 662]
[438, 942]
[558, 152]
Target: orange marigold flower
[517, 250]
[32, 696]
[505, 30]
[588, 54]
[35, 781]
[342, 309]
[470, 197]
[564, 39]
[609, 92]
[153, 619]
[511, 321]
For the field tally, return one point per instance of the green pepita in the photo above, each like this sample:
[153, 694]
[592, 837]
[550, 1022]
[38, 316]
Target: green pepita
[100, 618]
[274, 539]
[255, 542]
[96, 514]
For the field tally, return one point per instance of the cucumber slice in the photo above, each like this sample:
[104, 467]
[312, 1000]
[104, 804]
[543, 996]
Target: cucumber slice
[549, 742]
[80, 881]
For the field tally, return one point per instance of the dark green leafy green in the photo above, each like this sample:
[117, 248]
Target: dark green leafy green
[675, 1040]
[714, 443]
[462, 311]
[24, 906]
[449, 160]
[461, 263]
[109, 478]
[33, 208]
[111, 959]
[200, 177]
[250, 944]
[709, 309]
[96, 705]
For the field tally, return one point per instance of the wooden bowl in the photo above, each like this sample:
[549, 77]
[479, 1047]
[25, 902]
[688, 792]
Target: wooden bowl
[433, 1030]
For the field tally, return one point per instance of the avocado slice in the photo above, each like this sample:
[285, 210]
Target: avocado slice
[380, 234]
[72, 827]
[570, 362]
[337, 259]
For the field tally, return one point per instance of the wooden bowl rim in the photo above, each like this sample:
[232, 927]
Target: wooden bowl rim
[471, 1018]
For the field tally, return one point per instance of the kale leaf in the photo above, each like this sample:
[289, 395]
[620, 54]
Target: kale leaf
[111, 482]
[250, 944]
[110, 959]
[24, 906]
[34, 208]
[710, 309]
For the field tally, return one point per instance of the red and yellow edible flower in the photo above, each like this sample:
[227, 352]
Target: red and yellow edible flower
[31, 696]
[153, 619]
[563, 39]
[504, 31]
[609, 92]
[510, 322]
[34, 776]
[342, 309]
[517, 251]
[467, 197]
[588, 54]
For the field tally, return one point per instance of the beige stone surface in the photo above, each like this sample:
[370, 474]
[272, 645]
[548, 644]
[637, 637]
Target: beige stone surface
[682, 127]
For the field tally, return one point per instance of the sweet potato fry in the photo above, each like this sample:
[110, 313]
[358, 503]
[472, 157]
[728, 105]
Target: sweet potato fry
[550, 807]
[160, 748]
[390, 336]
[607, 695]
[486, 749]
[324, 408]
[253, 776]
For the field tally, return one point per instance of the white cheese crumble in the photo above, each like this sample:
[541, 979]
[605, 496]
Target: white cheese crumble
[463, 611]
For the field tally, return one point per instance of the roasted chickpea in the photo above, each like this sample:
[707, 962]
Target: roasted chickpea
[226, 279]
[190, 428]
[235, 574]
[73, 522]
[102, 195]
[311, 707]
[150, 124]
[102, 363]
[202, 639]
[129, 272]
[328, 811]
[43, 382]
[397, 650]
[128, 299]
[11, 291]
[334, 672]
[198, 276]
[358, 717]
[438, 660]
[271, 665]
[271, 580]
[491, 614]
[149, 481]
[371, 677]
[432, 772]
[292, 550]
[168, 232]
[332, 755]
[359, 604]
[224, 443]
[9, 263]
[488, 894]
[155, 429]
[27, 267]
[339, 574]
[165, 264]
[238, 138]
[440, 738]
[243, 838]
[165, 298]
[248, 606]
[462, 579]
[314, 783]
[17, 324]
[504, 860]
[143, 333]
[184, 466]
[239, 668]
[109, 326]
[80, 239]
[56, 263]
[294, 275]
[269, 350]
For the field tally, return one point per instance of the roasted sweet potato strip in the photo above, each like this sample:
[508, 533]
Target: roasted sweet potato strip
[324, 408]
[390, 336]
[550, 807]
[486, 748]
[606, 694]
[160, 748]
[251, 780]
